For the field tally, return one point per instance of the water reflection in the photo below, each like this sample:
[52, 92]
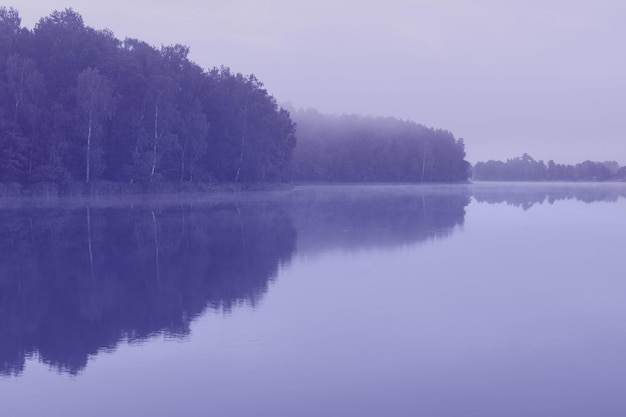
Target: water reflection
[526, 195]
[73, 282]
[78, 279]
[359, 217]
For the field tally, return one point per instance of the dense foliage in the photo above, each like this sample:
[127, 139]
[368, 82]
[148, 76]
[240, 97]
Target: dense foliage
[526, 168]
[77, 104]
[355, 149]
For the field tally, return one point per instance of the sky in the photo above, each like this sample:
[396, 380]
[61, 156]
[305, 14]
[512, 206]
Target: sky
[543, 77]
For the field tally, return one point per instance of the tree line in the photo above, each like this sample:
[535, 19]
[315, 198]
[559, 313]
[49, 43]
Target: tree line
[526, 168]
[78, 105]
[353, 148]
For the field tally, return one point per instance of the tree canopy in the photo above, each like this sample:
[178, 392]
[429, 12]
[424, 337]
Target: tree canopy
[77, 104]
[368, 149]
[526, 168]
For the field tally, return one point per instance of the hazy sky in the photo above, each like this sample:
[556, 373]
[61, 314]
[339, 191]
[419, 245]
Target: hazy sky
[544, 77]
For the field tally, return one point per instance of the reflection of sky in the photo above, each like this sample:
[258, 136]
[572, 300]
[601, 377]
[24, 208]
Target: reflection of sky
[521, 313]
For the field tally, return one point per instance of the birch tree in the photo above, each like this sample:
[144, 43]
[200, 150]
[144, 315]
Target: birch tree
[95, 105]
[25, 86]
[164, 115]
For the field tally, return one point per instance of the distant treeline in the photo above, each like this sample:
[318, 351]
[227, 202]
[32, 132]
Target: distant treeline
[368, 149]
[79, 106]
[525, 168]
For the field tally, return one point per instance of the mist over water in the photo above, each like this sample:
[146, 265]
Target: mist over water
[348, 300]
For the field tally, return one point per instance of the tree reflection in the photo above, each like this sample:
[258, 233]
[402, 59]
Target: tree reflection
[527, 195]
[75, 281]
[352, 218]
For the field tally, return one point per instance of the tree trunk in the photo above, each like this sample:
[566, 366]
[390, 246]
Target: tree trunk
[19, 93]
[182, 163]
[243, 138]
[423, 163]
[156, 139]
[88, 147]
[156, 248]
[89, 241]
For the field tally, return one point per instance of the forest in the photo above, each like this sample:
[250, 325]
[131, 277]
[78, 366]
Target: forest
[77, 104]
[81, 110]
[526, 168]
[352, 148]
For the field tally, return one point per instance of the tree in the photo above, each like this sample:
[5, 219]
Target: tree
[161, 102]
[95, 105]
[25, 86]
[248, 131]
[60, 51]
[65, 86]
[525, 168]
[10, 27]
[357, 149]
[194, 133]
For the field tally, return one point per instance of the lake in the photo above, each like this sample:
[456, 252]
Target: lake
[451, 300]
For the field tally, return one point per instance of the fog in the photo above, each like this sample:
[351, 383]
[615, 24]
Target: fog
[544, 78]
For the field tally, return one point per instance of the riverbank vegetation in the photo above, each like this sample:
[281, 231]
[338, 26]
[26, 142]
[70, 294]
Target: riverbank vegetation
[80, 105]
[526, 168]
[352, 148]
[82, 111]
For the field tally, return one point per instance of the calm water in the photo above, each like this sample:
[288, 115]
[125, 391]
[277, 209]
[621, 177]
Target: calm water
[482, 300]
